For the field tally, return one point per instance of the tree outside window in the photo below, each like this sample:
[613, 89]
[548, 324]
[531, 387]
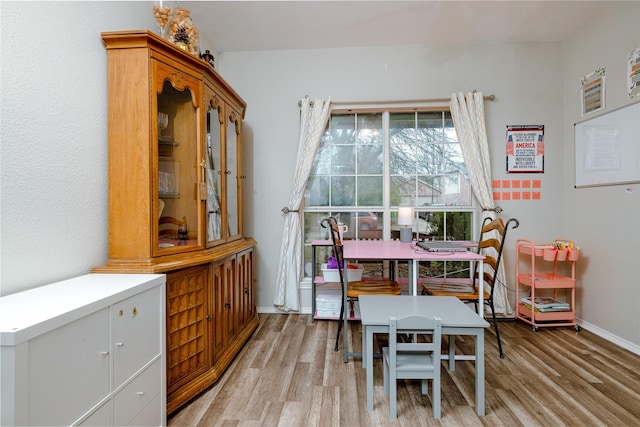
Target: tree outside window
[371, 163]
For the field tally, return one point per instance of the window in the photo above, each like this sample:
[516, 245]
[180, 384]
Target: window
[371, 163]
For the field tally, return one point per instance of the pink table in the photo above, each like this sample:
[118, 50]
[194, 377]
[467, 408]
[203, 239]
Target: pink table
[394, 250]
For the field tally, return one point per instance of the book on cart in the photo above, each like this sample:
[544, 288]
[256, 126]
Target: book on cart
[544, 304]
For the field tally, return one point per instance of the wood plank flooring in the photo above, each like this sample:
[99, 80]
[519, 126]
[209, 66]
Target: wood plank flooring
[288, 375]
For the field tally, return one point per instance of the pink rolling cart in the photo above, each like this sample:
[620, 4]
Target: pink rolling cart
[546, 269]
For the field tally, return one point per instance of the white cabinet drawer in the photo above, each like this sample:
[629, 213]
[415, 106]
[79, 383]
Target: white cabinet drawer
[151, 415]
[101, 416]
[68, 370]
[136, 395]
[136, 335]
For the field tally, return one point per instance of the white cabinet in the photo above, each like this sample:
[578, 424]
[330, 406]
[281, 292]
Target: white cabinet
[85, 351]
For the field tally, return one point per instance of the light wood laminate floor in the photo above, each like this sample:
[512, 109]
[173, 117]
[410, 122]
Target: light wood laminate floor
[288, 375]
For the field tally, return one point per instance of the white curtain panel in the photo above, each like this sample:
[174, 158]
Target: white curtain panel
[468, 118]
[314, 115]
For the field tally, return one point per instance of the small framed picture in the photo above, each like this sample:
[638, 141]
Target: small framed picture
[633, 73]
[593, 91]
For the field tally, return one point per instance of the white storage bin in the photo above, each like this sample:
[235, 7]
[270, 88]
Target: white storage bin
[333, 275]
[329, 300]
[328, 314]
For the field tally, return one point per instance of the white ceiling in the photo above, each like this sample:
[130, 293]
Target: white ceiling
[271, 25]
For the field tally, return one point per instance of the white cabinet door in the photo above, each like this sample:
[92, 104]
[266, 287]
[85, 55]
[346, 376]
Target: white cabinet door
[68, 370]
[136, 333]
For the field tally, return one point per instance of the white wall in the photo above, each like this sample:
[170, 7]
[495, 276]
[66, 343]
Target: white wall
[526, 79]
[54, 137]
[604, 220]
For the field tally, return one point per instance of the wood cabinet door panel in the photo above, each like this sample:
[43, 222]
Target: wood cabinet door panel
[219, 308]
[215, 179]
[187, 325]
[178, 162]
[231, 297]
[245, 284]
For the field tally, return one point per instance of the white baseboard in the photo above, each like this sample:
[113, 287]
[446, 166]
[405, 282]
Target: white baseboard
[621, 342]
[274, 310]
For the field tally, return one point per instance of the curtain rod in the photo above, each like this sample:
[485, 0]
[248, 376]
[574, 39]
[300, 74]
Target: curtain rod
[406, 101]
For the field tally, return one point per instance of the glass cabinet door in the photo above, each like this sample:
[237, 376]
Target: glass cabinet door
[223, 169]
[233, 174]
[214, 172]
[179, 167]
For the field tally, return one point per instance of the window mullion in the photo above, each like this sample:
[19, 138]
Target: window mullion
[386, 198]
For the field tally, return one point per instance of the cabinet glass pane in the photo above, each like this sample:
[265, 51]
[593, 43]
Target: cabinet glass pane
[232, 178]
[177, 168]
[214, 177]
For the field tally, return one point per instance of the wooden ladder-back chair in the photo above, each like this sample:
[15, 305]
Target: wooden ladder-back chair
[169, 226]
[491, 244]
[364, 286]
[415, 360]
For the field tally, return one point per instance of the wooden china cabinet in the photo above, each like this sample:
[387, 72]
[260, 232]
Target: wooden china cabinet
[175, 201]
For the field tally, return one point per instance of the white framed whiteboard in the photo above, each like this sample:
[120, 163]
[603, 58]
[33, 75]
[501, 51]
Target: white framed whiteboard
[607, 148]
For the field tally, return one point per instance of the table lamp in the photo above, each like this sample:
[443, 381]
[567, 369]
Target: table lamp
[405, 221]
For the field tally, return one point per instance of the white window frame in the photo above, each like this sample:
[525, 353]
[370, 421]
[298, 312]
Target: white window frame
[386, 209]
